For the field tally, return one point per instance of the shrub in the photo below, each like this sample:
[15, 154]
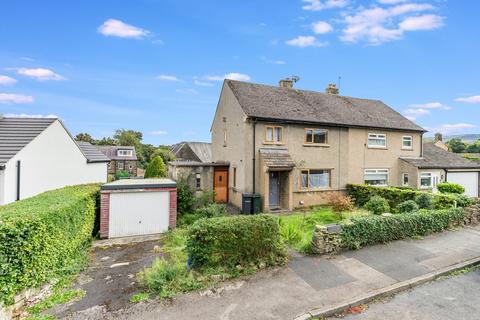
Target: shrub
[370, 230]
[44, 237]
[340, 203]
[424, 200]
[447, 187]
[407, 206]
[377, 205]
[185, 198]
[122, 175]
[463, 200]
[156, 168]
[237, 240]
[362, 193]
[208, 211]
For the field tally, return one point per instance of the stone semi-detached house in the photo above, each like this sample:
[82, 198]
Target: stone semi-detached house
[122, 158]
[295, 147]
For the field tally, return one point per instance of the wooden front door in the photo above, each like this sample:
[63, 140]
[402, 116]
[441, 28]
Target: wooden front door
[220, 184]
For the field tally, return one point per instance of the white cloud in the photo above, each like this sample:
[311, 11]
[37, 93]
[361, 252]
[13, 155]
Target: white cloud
[12, 98]
[40, 74]
[322, 27]
[117, 28]
[305, 41]
[7, 81]
[317, 5]
[453, 128]
[202, 83]
[187, 91]
[377, 25]
[158, 132]
[272, 61]
[231, 76]
[472, 99]
[423, 22]
[431, 105]
[25, 115]
[416, 112]
[391, 1]
[165, 77]
[411, 118]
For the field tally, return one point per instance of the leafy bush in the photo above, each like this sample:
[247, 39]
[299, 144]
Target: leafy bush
[44, 236]
[424, 200]
[370, 230]
[463, 200]
[121, 175]
[362, 193]
[185, 198]
[156, 168]
[340, 203]
[407, 206]
[208, 211]
[237, 240]
[377, 205]
[447, 187]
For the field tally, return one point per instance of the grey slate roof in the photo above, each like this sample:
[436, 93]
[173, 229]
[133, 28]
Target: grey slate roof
[287, 104]
[92, 153]
[111, 152]
[277, 158]
[202, 150]
[437, 158]
[16, 133]
[139, 184]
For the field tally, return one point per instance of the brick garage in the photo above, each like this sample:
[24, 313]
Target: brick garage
[136, 207]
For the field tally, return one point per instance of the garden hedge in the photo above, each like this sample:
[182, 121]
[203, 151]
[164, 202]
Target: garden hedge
[237, 240]
[370, 230]
[362, 193]
[44, 236]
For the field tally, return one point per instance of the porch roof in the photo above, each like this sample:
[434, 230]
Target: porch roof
[277, 158]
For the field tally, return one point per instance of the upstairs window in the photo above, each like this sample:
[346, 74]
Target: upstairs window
[124, 153]
[315, 179]
[376, 177]
[377, 140]
[407, 142]
[316, 136]
[274, 134]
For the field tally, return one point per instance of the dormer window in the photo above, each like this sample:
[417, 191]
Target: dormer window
[124, 153]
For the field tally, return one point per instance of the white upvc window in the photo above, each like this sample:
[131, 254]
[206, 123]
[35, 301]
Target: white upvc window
[315, 179]
[426, 180]
[377, 140]
[407, 142]
[405, 179]
[124, 153]
[376, 177]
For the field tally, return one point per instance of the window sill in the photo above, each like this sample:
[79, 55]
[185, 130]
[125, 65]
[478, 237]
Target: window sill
[274, 143]
[407, 149]
[377, 148]
[314, 190]
[318, 145]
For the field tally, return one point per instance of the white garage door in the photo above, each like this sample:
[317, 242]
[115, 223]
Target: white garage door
[138, 213]
[469, 180]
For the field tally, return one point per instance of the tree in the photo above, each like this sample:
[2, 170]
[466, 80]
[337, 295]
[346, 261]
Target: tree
[146, 154]
[128, 137]
[106, 141]
[474, 147]
[85, 137]
[156, 169]
[165, 153]
[456, 145]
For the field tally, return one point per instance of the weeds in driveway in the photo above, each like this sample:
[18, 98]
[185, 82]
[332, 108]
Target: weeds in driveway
[139, 297]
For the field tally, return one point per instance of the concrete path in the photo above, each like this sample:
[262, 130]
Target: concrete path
[452, 298]
[311, 282]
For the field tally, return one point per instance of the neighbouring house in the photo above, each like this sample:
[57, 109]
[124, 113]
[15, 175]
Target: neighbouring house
[39, 154]
[438, 165]
[122, 158]
[193, 164]
[296, 147]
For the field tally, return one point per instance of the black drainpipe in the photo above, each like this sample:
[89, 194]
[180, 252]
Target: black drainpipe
[18, 180]
[254, 152]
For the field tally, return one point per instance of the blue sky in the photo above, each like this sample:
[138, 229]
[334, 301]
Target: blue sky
[158, 66]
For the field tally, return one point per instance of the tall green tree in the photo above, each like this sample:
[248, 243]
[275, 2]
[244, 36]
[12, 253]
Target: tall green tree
[85, 137]
[156, 168]
[474, 147]
[456, 145]
[165, 153]
[126, 137]
[106, 141]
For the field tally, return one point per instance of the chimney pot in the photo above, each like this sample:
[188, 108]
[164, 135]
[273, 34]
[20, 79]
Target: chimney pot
[332, 89]
[438, 137]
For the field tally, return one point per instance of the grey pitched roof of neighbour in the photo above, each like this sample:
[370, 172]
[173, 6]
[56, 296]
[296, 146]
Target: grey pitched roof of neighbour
[276, 158]
[438, 158]
[16, 133]
[92, 153]
[111, 152]
[202, 150]
[275, 103]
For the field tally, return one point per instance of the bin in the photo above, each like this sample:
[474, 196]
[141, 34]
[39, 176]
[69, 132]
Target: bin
[250, 203]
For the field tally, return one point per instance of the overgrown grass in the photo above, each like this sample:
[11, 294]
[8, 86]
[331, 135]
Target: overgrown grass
[297, 229]
[139, 297]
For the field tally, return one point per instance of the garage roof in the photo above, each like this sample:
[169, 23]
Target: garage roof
[437, 158]
[124, 184]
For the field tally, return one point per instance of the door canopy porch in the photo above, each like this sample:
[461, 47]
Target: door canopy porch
[277, 159]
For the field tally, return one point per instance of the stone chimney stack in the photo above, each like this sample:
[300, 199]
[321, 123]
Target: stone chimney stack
[286, 83]
[438, 137]
[332, 89]
[438, 141]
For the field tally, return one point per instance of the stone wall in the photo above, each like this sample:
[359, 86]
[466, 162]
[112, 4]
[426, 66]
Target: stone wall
[327, 239]
[472, 214]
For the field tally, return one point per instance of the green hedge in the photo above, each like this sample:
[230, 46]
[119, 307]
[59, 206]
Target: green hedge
[362, 193]
[237, 240]
[370, 230]
[44, 236]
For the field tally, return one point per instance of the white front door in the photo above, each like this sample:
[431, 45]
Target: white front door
[469, 180]
[138, 213]
[435, 181]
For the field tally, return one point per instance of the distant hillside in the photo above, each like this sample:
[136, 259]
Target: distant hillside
[472, 137]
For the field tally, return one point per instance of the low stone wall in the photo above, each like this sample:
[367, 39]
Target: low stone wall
[327, 239]
[23, 300]
[472, 214]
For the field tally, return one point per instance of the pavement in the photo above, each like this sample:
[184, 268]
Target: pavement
[310, 283]
[454, 298]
